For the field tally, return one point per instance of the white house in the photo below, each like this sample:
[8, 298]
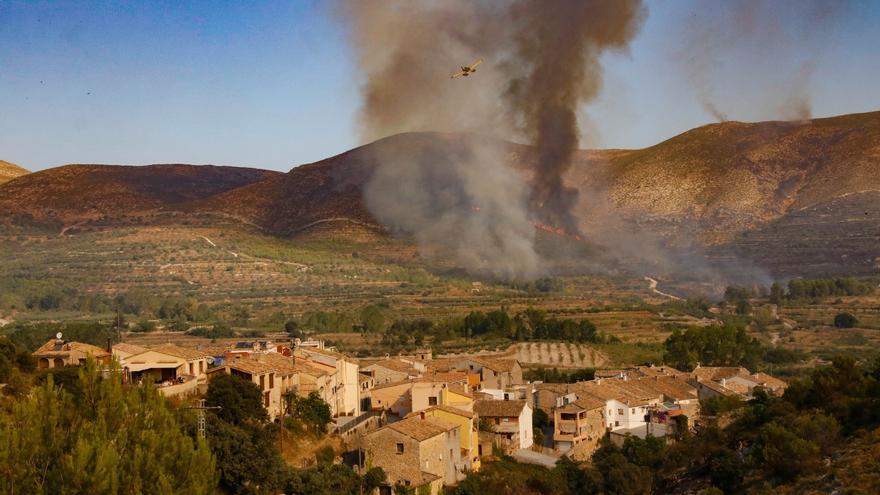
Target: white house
[511, 421]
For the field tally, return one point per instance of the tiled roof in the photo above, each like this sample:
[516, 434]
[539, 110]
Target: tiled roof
[499, 408]
[769, 381]
[503, 365]
[392, 364]
[717, 372]
[674, 388]
[445, 377]
[177, 351]
[282, 364]
[716, 387]
[250, 366]
[449, 409]
[128, 348]
[325, 352]
[421, 429]
[54, 348]
[587, 403]
[612, 389]
[393, 384]
[304, 367]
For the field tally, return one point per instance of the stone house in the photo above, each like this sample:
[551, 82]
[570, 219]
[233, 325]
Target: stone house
[468, 428]
[390, 371]
[57, 353]
[578, 426]
[493, 373]
[417, 453]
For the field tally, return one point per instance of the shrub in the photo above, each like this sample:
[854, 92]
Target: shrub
[845, 320]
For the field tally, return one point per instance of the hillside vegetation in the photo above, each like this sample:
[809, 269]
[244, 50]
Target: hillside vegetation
[9, 171]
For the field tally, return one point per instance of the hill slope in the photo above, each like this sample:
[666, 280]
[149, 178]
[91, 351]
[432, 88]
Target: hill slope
[77, 193]
[9, 171]
[797, 198]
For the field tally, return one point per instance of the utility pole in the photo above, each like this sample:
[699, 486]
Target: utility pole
[200, 411]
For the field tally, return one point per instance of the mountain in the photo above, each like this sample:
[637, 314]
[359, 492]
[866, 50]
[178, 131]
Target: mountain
[9, 171]
[796, 198]
[79, 193]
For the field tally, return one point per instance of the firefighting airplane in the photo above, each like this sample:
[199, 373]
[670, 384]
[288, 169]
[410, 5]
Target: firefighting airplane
[467, 70]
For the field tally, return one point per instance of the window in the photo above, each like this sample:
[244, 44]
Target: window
[432, 401]
[450, 453]
[192, 368]
[400, 448]
[272, 380]
[620, 412]
[262, 382]
[617, 423]
[266, 399]
[633, 411]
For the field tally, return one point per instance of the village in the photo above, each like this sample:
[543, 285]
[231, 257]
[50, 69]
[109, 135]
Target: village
[428, 420]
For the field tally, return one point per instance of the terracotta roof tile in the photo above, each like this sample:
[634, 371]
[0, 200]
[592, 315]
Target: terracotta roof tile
[499, 408]
[128, 348]
[177, 351]
[421, 429]
[52, 348]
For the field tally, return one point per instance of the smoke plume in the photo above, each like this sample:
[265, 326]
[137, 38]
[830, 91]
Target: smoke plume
[757, 44]
[541, 64]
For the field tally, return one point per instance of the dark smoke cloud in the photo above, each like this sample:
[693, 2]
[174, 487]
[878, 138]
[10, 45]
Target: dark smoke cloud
[541, 65]
[558, 48]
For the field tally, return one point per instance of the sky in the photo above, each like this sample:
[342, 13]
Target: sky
[275, 84]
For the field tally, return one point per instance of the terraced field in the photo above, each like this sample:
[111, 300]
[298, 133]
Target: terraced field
[559, 355]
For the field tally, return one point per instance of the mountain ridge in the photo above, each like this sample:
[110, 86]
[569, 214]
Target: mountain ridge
[710, 186]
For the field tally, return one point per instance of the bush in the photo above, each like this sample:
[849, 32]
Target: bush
[845, 320]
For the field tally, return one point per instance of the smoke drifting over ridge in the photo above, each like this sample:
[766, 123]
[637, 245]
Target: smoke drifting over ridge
[541, 65]
[764, 40]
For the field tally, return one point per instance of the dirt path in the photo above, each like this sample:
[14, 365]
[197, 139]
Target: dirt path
[652, 284]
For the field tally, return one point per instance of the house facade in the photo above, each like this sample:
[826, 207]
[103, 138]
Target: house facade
[418, 453]
[58, 353]
[344, 394]
[510, 422]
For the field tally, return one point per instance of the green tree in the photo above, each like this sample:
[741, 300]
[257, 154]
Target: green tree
[777, 294]
[241, 400]
[247, 457]
[310, 411]
[784, 454]
[373, 318]
[114, 440]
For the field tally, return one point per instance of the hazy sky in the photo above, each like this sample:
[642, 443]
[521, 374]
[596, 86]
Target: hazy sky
[274, 84]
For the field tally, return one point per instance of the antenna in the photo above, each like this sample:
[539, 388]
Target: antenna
[201, 408]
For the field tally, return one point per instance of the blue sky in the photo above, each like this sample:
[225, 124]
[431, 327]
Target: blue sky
[275, 84]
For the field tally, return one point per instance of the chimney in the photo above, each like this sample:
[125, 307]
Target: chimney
[109, 345]
[422, 414]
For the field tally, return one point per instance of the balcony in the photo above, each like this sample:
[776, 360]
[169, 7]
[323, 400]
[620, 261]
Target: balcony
[185, 385]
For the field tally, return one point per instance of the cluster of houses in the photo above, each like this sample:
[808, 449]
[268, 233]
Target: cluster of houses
[429, 421]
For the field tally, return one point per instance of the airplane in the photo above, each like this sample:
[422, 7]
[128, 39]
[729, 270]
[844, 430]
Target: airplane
[467, 70]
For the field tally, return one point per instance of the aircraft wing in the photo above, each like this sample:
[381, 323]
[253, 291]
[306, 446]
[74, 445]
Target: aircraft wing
[475, 64]
[457, 74]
